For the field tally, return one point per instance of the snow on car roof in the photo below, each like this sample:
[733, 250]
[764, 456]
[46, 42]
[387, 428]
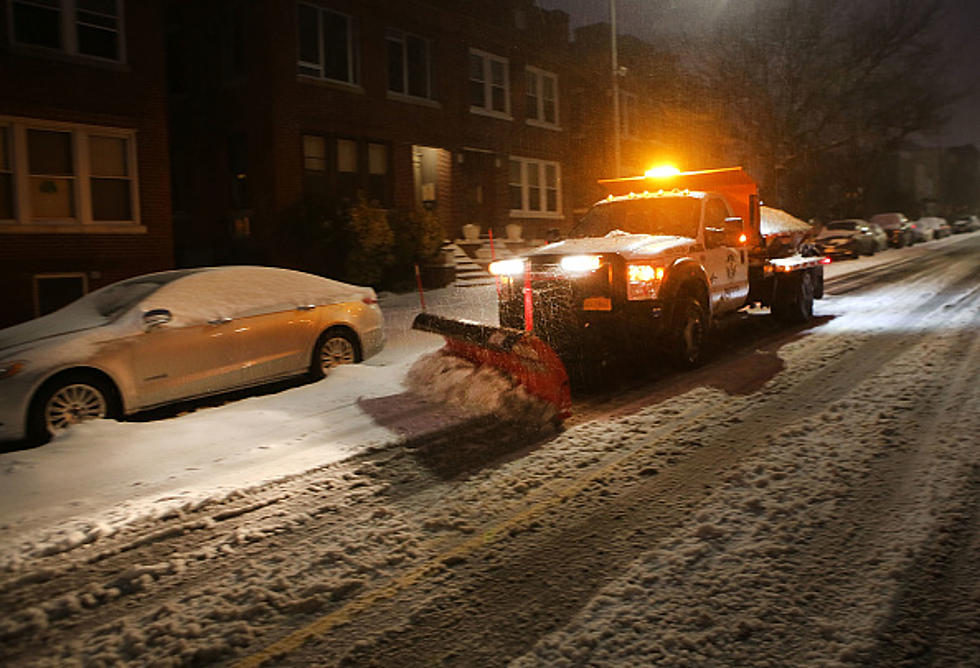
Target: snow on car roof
[241, 291]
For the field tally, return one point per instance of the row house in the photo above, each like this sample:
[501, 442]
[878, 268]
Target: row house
[278, 105]
[84, 178]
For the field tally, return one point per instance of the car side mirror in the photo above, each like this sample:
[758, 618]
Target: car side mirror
[156, 317]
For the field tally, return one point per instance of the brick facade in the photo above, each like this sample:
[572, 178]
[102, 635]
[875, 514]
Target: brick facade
[275, 105]
[49, 88]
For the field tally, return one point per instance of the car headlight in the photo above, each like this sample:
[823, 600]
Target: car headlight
[581, 263]
[9, 369]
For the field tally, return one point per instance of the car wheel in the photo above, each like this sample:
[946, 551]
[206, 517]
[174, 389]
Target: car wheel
[335, 346]
[69, 400]
[688, 330]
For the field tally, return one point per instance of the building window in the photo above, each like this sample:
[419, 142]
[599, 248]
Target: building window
[489, 84]
[67, 174]
[327, 45]
[541, 96]
[409, 64]
[339, 169]
[52, 291]
[51, 163]
[534, 188]
[110, 179]
[76, 27]
[627, 114]
[6, 176]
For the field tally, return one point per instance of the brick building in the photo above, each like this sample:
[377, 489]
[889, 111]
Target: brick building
[84, 177]
[457, 106]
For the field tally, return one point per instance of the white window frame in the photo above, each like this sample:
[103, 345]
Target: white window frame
[487, 108]
[528, 164]
[353, 46]
[68, 27]
[401, 37]
[535, 117]
[83, 222]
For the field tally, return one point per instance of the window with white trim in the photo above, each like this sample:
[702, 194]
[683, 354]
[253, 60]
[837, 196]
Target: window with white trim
[91, 28]
[541, 97]
[328, 44]
[534, 188]
[489, 84]
[409, 64]
[54, 173]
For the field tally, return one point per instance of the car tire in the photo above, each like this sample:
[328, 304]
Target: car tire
[336, 346]
[794, 299]
[69, 399]
[688, 329]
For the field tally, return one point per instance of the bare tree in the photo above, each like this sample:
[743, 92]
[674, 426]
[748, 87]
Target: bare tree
[814, 92]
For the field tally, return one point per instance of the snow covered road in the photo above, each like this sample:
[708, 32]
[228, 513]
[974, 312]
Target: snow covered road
[809, 497]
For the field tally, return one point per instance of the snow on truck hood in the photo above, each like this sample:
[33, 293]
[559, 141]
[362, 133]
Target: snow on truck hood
[621, 243]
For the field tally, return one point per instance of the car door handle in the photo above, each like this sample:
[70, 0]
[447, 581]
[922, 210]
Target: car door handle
[306, 307]
[219, 321]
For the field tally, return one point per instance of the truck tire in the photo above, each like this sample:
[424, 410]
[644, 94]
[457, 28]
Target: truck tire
[687, 330]
[793, 301]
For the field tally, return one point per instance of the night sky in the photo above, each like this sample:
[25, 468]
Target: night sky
[649, 18]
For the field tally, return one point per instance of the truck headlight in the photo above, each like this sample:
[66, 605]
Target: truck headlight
[643, 281]
[513, 267]
[581, 263]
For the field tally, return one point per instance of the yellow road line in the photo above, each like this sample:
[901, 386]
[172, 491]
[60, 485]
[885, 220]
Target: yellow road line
[491, 535]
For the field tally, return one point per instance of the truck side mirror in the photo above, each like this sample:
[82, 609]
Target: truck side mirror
[714, 237]
[734, 229]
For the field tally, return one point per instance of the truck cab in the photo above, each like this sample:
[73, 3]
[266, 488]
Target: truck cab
[650, 268]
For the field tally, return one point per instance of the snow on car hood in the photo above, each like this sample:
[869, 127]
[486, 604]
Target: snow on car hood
[52, 326]
[621, 243]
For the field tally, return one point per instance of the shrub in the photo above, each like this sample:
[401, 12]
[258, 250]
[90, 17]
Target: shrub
[370, 243]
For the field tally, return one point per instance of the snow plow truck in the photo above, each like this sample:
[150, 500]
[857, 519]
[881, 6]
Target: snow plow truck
[650, 268]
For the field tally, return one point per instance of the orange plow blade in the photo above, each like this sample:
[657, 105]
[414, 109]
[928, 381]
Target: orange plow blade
[524, 357]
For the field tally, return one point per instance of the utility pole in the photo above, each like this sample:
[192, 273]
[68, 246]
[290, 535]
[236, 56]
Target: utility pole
[615, 88]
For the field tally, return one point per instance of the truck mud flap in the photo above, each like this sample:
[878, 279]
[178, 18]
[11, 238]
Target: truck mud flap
[524, 357]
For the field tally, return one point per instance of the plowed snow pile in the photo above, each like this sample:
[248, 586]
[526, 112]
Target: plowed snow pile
[476, 389]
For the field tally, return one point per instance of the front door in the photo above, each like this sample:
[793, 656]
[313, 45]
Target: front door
[726, 263]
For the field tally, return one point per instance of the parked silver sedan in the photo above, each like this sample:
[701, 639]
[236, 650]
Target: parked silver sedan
[175, 335]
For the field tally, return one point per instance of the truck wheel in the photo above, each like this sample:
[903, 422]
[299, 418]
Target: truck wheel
[688, 331]
[794, 299]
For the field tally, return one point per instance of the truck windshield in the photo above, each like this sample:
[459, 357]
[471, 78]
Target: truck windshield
[675, 216]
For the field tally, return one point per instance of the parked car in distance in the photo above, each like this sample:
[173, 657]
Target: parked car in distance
[847, 238]
[175, 335]
[897, 226]
[940, 228]
[965, 224]
[879, 235]
[922, 231]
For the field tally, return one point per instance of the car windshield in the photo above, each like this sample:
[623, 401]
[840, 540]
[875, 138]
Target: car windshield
[675, 216]
[842, 225]
[112, 301]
